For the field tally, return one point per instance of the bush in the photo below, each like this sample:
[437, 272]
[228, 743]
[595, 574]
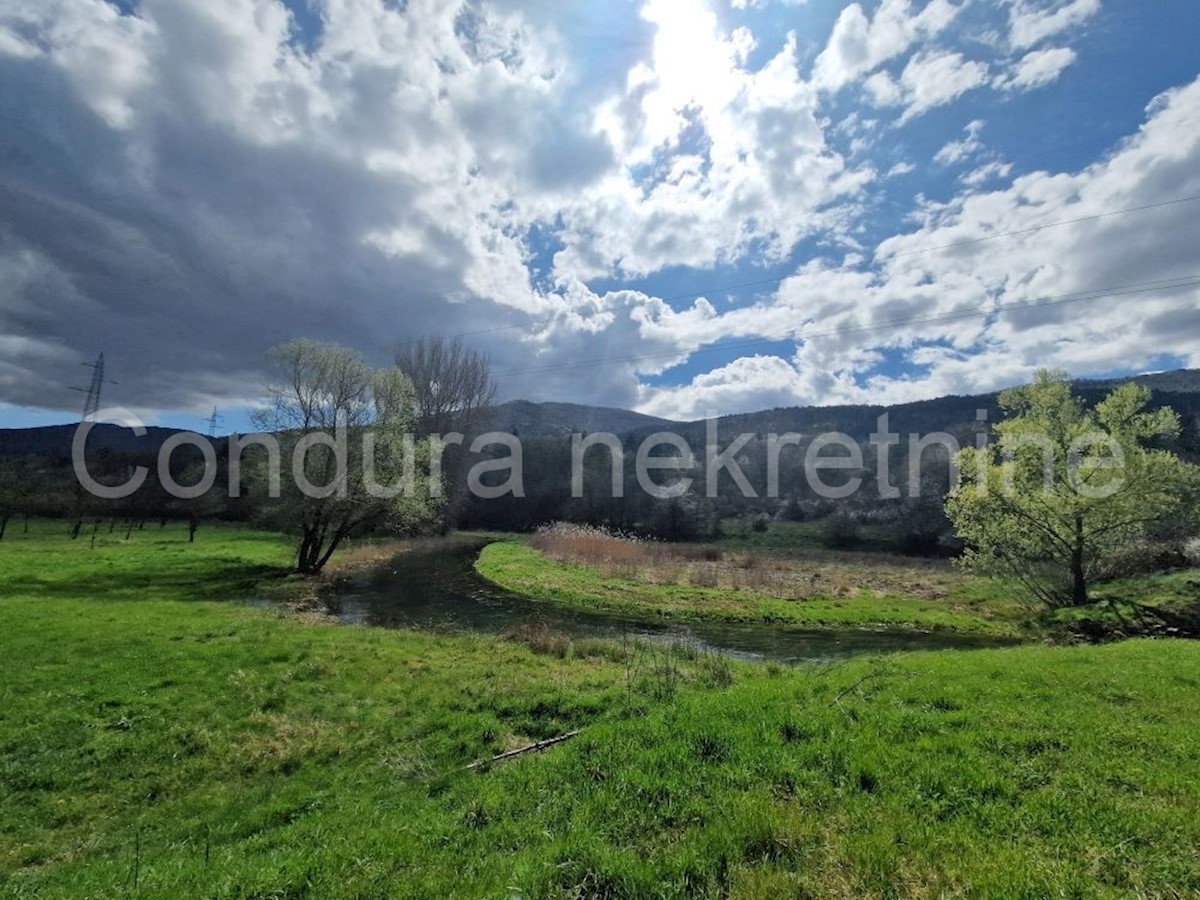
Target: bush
[793, 510]
[839, 532]
[1191, 551]
[919, 542]
[1142, 557]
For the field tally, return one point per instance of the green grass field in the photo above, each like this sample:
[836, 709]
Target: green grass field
[153, 731]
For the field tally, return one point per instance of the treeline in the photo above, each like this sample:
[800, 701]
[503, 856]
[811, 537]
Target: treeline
[39, 486]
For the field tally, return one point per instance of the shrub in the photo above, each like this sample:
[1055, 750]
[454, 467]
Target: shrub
[541, 639]
[1191, 551]
[839, 532]
[919, 542]
[1141, 557]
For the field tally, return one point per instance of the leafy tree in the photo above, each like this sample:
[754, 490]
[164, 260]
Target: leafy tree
[1064, 487]
[317, 390]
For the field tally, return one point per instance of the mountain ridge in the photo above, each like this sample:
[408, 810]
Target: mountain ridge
[1179, 389]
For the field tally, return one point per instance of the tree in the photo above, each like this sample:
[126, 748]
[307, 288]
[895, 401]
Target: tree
[452, 387]
[19, 482]
[345, 434]
[207, 505]
[1063, 487]
[451, 383]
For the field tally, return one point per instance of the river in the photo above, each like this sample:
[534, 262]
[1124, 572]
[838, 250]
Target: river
[439, 590]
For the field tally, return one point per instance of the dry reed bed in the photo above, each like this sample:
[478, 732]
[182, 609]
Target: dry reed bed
[632, 558]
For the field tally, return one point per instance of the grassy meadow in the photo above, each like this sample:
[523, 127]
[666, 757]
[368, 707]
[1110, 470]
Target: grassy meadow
[160, 740]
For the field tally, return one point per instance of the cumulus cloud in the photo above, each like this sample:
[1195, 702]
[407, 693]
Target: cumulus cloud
[1037, 69]
[196, 180]
[930, 79]
[964, 304]
[860, 44]
[1031, 23]
[956, 151]
[991, 171]
[204, 185]
[934, 79]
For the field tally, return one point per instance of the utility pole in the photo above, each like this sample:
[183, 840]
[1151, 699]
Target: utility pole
[91, 404]
[214, 421]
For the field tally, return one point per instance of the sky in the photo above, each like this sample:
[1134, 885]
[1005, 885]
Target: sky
[683, 207]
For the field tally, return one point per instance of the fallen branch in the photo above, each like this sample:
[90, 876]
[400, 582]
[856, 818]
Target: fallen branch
[856, 684]
[520, 751]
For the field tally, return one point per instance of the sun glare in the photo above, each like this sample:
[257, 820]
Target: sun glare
[693, 65]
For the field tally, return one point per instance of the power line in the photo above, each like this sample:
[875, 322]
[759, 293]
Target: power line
[1140, 287]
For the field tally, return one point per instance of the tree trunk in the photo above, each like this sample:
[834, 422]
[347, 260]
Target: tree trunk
[4, 524]
[193, 524]
[1079, 594]
[334, 541]
[310, 549]
[78, 527]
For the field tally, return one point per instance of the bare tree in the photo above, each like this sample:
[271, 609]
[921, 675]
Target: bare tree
[452, 384]
[26, 487]
[318, 389]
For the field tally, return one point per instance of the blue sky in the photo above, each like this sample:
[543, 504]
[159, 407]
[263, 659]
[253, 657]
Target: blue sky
[678, 206]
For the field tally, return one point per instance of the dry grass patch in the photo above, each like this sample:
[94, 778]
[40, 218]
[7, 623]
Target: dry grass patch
[632, 558]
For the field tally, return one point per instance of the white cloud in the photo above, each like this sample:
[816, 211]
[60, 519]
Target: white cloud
[195, 182]
[763, 169]
[1037, 69]
[850, 311]
[1030, 23]
[751, 382]
[858, 45]
[991, 171]
[956, 151]
[1162, 162]
[760, 4]
[103, 53]
[935, 78]
[883, 90]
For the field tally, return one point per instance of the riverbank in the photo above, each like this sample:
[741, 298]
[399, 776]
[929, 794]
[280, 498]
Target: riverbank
[518, 567]
[157, 736]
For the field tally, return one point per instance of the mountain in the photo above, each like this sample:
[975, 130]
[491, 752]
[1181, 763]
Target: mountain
[526, 419]
[1179, 381]
[956, 414]
[54, 441]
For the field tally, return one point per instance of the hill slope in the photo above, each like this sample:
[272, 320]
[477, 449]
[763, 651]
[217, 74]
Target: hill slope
[1179, 389]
